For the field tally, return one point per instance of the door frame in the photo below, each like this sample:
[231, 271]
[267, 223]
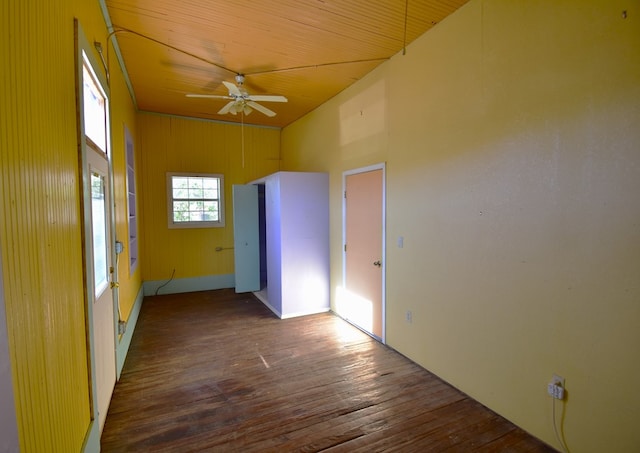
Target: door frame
[84, 50]
[380, 166]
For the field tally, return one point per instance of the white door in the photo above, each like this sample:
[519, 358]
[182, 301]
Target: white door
[246, 238]
[104, 322]
[363, 252]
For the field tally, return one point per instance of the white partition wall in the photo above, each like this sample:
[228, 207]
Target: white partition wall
[297, 243]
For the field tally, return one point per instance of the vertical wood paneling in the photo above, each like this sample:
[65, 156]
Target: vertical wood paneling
[122, 112]
[178, 144]
[325, 32]
[40, 231]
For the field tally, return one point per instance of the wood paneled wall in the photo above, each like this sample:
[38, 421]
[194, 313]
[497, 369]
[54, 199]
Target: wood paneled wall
[40, 235]
[173, 144]
[40, 228]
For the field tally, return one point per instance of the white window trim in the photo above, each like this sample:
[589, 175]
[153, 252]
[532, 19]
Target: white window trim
[195, 224]
[132, 201]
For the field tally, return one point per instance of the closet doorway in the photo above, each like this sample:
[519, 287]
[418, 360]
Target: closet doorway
[362, 300]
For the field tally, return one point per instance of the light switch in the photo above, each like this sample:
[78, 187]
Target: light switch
[400, 242]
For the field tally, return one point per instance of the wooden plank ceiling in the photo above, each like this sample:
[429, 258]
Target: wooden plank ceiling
[306, 50]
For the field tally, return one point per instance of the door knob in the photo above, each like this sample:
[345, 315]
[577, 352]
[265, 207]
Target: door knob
[377, 263]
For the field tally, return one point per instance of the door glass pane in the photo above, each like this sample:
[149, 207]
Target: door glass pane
[95, 110]
[98, 220]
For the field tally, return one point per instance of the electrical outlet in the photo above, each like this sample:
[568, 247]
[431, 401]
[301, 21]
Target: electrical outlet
[555, 388]
[409, 316]
[122, 327]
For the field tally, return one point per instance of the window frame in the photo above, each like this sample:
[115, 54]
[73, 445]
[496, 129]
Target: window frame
[196, 223]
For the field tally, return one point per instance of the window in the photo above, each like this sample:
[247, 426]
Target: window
[195, 200]
[95, 107]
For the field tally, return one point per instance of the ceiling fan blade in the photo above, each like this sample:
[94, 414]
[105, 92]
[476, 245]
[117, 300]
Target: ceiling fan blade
[233, 89]
[224, 110]
[267, 98]
[261, 108]
[208, 96]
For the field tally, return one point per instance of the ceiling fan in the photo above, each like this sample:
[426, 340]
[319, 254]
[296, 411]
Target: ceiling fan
[241, 101]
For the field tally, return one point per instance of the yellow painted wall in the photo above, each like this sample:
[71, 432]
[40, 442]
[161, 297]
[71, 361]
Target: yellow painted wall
[511, 133]
[40, 232]
[174, 144]
[123, 114]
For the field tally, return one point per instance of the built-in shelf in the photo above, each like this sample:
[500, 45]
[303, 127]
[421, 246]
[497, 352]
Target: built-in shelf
[131, 202]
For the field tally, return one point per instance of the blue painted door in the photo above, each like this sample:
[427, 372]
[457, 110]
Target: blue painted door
[246, 238]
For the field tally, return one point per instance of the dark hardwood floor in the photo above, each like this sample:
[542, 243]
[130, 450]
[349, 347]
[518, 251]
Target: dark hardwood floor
[217, 371]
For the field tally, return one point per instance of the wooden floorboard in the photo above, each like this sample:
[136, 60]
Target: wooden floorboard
[216, 371]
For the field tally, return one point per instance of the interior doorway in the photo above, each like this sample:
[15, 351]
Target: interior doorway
[262, 236]
[250, 239]
[361, 301]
